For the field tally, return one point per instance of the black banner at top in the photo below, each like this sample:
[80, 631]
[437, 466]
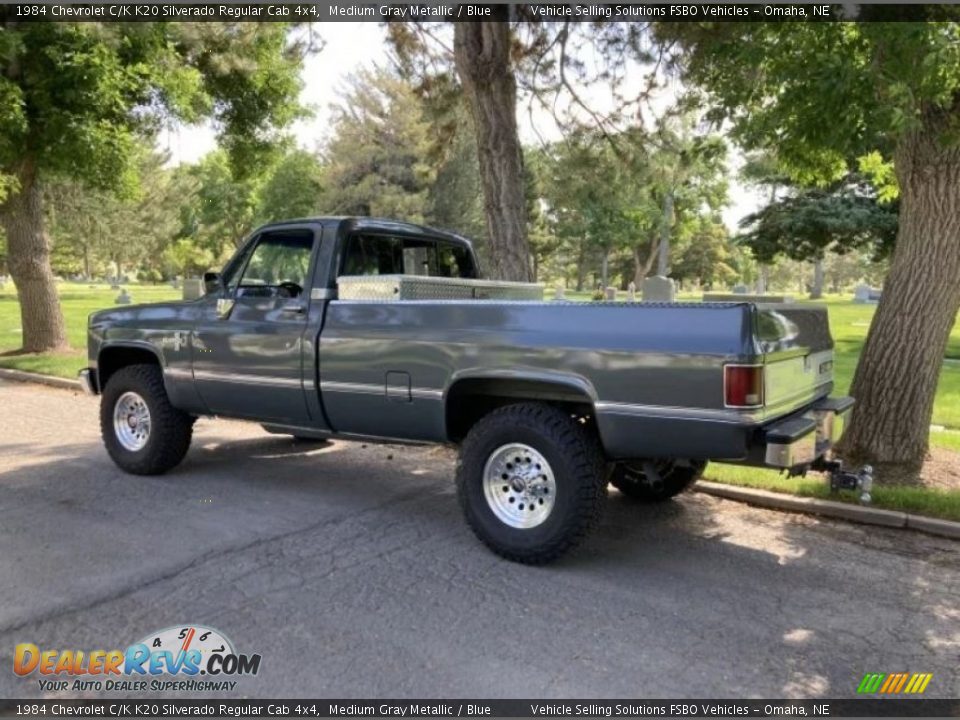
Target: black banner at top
[434, 10]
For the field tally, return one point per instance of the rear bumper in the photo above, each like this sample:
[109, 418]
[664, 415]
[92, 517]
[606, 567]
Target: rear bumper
[801, 439]
[88, 381]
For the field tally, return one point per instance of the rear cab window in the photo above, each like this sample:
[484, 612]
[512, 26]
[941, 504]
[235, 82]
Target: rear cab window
[379, 254]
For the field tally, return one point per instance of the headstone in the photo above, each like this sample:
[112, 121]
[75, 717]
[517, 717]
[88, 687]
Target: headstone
[192, 288]
[610, 294]
[741, 289]
[657, 288]
[123, 298]
[559, 293]
[632, 292]
[865, 294]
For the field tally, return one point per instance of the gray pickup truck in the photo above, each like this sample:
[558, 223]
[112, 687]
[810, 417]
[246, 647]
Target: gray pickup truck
[358, 328]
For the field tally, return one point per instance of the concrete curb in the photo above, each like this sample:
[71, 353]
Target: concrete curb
[934, 526]
[829, 508]
[49, 380]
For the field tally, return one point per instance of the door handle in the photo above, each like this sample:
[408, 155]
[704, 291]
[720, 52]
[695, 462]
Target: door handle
[293, 308]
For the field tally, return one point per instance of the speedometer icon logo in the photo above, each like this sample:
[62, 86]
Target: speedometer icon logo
[197, 639]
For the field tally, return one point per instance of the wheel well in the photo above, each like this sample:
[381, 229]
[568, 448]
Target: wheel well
[113, 358]
[471, 399]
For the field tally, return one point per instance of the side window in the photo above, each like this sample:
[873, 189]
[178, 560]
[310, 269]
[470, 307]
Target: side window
[391, 255]
[373, 255]
[278, 266]
[454, 261]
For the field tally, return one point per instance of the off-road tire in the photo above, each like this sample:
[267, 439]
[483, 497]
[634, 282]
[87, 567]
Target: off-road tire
[675, 478]
[575, 459]
[170, 429]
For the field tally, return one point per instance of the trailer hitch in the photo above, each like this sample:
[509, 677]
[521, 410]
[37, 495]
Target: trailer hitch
[841, 479]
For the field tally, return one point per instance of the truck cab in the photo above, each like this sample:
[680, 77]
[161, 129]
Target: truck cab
[247, 348]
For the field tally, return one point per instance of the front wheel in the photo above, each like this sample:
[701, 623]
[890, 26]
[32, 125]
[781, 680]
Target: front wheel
[657, 480]
[530, 481]
[143, 433]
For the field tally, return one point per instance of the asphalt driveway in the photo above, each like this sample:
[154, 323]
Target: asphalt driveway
[350, 570]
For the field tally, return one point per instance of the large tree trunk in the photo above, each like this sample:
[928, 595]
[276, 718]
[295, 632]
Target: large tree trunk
[897, 376]
[482, 55]
[28, 252]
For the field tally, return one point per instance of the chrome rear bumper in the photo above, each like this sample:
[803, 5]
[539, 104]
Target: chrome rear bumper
[800, 440]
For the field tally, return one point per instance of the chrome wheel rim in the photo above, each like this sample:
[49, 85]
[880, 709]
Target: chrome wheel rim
[519, 486]
[131, 421]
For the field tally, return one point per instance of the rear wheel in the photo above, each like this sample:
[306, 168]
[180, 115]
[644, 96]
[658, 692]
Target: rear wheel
[530, 482]
[656, 480]
[143, 433]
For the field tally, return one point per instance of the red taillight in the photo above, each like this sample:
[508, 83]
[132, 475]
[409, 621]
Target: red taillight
[743, 385]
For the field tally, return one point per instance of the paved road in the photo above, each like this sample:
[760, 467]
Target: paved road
[349, 569]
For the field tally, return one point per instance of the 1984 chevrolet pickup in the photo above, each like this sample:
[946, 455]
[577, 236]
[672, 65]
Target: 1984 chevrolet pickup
[358, 328]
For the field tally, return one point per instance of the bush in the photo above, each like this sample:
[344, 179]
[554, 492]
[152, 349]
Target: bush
[151, 275]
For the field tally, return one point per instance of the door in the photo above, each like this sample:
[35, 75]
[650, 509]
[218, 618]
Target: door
[248, 344]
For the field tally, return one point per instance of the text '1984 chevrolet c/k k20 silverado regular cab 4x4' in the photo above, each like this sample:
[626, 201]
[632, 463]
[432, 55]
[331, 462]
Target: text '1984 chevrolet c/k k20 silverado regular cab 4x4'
[357, 328]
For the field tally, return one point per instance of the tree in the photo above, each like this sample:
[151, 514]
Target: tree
[482, 55]
[821, 93]
[76, 98]
[222, 207]
[377, 158]
[598, 203]
[810, 222]
[188, 258]
[619, 197]
[455, 198]
[89, 227]
[294, 188]
[706, 256]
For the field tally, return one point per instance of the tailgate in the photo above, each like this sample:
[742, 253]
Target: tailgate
[797, 351]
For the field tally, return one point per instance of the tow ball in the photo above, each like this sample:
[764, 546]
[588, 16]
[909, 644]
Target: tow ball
[841, 479]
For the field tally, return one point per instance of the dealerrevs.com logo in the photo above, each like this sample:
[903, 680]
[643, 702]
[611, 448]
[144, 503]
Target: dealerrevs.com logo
[172, 659]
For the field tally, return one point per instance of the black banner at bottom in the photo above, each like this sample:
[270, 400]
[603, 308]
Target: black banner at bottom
[165, 708]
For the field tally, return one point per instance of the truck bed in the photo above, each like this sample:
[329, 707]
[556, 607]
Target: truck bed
[652, 371]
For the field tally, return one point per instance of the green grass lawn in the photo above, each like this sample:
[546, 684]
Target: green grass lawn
[78, 301]
[920, 500]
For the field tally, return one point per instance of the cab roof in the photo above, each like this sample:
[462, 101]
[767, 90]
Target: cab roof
[370, 224]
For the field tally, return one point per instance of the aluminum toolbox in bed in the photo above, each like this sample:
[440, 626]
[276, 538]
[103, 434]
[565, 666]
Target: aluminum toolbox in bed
[385, 288]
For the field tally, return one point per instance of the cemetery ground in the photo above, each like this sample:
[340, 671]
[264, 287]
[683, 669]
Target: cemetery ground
[937, 496]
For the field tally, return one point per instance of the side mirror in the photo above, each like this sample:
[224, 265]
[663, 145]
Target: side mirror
[212, 282]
